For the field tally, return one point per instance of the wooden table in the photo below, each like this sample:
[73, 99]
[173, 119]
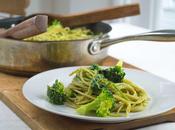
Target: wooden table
[37, 119]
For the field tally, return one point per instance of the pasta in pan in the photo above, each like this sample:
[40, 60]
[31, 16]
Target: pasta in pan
[56, 32]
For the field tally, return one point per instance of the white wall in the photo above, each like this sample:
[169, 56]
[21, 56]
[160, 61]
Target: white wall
[87, 5]
[40, 6]
[66, 6]
[148, 17]
[61, 6]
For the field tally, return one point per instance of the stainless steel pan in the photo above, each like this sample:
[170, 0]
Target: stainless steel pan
[28, 58]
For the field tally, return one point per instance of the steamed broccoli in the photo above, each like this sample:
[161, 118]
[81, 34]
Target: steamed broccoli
[98, 83]
[114, 74]
[95, 67]
[101, 105]
[56, 94]
[54, 25]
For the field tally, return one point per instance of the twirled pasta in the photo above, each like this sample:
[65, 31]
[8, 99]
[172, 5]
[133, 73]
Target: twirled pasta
[128, 96]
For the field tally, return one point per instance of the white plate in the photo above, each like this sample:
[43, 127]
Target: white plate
[162, 93]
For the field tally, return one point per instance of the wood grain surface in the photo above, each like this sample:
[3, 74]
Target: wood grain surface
[37, 119]
[101, 14]
[14, 7]
[94, 16]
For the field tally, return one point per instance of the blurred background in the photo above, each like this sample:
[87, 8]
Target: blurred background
[155, 14]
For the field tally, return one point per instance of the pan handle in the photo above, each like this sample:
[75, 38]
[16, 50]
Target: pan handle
[160, 35]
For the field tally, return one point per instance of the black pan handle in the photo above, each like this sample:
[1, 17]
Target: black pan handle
[160, 35]
[7, 22]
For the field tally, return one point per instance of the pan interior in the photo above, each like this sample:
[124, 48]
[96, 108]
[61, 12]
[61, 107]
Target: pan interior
[99, 27]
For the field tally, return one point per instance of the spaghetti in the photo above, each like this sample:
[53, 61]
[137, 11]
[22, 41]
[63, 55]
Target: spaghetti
[56, 32]
[128, 96]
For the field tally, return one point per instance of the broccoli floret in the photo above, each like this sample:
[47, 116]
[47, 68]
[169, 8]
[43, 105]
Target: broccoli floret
[114, 74]
[101, 105]
[97, 84]
[95, 67]
[54, 25]
[104, 109]
[56, 94]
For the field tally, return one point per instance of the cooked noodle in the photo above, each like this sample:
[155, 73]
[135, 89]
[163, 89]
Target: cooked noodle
[128, 96]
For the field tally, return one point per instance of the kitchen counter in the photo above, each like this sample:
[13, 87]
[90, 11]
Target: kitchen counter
[156, 58]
